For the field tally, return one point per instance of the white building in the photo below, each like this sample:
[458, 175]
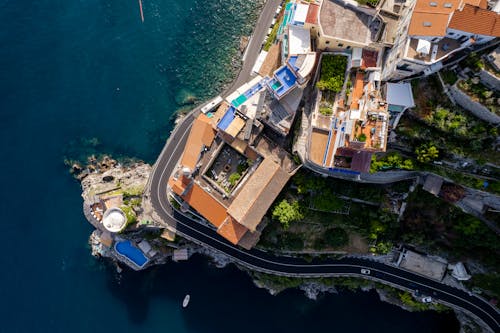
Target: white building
[429, 31]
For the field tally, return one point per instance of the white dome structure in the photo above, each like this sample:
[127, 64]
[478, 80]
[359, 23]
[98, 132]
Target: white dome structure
[114, 220]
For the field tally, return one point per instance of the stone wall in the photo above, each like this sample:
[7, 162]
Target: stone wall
[489, 80]
[475, 108]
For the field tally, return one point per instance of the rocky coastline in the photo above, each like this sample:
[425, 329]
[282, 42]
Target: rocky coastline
[105, 176]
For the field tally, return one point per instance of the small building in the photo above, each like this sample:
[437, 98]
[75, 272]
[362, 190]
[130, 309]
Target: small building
[180, 255]
[433, 184]
[114, 220]
[422, 265]
[399, 96]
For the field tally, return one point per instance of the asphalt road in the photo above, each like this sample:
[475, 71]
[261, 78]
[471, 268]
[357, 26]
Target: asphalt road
[266, 262]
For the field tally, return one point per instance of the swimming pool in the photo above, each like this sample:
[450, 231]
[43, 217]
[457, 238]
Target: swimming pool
[130, 252]
[227, 118]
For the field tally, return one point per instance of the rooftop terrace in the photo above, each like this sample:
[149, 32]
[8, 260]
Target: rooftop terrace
[344, 22]
[437, 50]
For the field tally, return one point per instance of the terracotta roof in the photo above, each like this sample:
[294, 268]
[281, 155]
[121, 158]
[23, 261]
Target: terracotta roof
[272, 60]
[259, 192]
[231, 230]
[361, 161]
[476, 20]
[357, 91]
[201, 134]
[437, 6]
[428, 24]
[369, 58]
[312, 14]
[206, 205]
[319, 141]
[477, 3]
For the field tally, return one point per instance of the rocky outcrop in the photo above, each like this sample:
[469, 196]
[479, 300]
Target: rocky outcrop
[132, 178]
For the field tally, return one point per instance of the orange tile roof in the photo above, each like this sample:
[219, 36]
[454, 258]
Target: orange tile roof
[312, 14]
[476, 20]
[201, 134]
[437, 6]
[176, 186]
[206, 205]
[428, 24]
[357, 92]
[232, 230]
[477, 3]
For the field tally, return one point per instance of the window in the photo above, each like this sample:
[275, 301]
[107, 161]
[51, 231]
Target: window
[448, 5]
[451, 33]
[433, 4]
[347, 47]
[327, 42]
[427, 24]
[340, 45]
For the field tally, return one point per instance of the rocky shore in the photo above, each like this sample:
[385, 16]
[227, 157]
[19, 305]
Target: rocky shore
[105, 178]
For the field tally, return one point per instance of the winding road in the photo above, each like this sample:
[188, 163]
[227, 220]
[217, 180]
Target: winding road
[268, 263]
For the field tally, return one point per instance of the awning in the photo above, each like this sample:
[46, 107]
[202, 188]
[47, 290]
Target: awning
[423, 46]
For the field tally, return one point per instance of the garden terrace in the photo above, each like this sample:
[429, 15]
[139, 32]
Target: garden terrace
[482, 94]
[227, 168]
[333, 72]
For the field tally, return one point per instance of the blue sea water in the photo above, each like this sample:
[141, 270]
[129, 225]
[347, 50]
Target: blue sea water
[78, 77]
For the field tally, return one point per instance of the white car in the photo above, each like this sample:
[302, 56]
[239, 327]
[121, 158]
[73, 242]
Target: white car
[365, 271]
[426, 299]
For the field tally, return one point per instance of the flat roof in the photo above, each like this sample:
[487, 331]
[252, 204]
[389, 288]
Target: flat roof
[319, 141]
[423, 265]
[400, 94]
[299, 40]
[344, 22]
[300, 14]
[255, 198]
[201, 134]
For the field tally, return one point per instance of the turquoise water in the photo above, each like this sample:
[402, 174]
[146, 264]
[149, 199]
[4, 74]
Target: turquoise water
[87, 76]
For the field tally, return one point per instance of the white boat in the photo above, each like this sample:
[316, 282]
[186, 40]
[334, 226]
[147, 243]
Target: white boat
[185, 302]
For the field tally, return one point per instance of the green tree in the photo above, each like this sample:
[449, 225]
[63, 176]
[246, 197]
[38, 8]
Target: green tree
[286, 212]
[427, 153]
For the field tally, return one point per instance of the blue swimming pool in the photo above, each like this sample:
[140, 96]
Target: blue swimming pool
[127, 250]
[292, 61]
[227, 118]
[284, 80]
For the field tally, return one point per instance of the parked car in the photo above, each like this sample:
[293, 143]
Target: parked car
[365, 271]
[426, 299]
